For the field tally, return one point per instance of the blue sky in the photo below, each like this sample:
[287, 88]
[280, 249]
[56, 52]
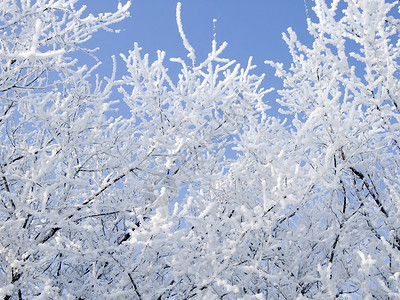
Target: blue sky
[251, 28]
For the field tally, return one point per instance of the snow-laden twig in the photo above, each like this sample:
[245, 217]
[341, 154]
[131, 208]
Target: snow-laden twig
[186, 43]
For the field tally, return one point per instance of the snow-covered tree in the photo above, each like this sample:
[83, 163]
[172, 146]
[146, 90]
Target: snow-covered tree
[58, 151]
[343, 93]
[200, 192]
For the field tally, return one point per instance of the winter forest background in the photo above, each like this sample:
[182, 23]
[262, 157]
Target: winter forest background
[199, 189]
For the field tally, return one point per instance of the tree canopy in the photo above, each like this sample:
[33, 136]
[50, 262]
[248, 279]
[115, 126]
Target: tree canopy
[201, 191]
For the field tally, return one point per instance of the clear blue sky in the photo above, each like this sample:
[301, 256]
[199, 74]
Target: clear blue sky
[251, 28]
